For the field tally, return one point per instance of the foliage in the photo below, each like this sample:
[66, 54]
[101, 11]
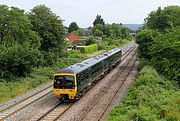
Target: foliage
[90, 40]
[163, 19]
[15, 27]
[97, 30]
[116, 31]
[80, 32]
[18, 43]
[159, 41]
[50, 28]
[98, 33]
[73, 27]
[89, 48]
[150, 98]
[98, 20]
[109, 43]
[18, 60]
[145, 38]
[10, 89]
[165, 52]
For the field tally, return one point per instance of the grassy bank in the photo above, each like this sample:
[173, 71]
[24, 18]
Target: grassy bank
[19, 86]
[150, 98]
[11, 89]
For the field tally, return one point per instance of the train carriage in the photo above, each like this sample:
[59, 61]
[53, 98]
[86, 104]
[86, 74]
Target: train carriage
[70, 81]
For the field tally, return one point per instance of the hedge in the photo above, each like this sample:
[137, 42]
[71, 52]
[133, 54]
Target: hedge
[89, 48]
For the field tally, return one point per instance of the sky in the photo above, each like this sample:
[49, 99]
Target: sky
[83, 12]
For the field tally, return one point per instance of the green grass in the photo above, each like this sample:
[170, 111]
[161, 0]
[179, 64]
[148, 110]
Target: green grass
[150, 98]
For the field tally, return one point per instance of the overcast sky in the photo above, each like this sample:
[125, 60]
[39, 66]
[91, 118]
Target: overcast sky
[84, 11]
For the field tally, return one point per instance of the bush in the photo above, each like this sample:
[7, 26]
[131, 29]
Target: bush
[18, 60]
[109, 43]
[165, 52]
[145, 39]
[89, 48]
[150, 98]
[90, 40]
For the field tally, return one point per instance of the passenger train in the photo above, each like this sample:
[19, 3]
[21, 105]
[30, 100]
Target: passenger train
[68, 83]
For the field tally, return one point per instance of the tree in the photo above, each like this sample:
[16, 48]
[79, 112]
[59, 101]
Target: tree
[98, 20]
[165, 52]
[90, 40]
[163, 19]
[50, 28]
[116, 31]
[18, 43]
[145, 39]
[73, 27]
[97, 30]
[15, 27]
[80, 32]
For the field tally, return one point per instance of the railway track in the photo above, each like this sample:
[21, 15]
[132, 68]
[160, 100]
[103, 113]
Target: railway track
[103, 102]
[56, 112]
[12, 108]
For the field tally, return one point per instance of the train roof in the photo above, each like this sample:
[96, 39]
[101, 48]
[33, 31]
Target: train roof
[78, 67]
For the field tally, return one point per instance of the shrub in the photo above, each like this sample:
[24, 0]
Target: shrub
[145, 39]
[90, 40]
[165, 52]
[18, 60]
[150, 98]
[89, 48]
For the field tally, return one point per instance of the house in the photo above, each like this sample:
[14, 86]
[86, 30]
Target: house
[74, 39]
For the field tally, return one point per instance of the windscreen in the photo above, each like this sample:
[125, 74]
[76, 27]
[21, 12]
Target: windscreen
[64, 82]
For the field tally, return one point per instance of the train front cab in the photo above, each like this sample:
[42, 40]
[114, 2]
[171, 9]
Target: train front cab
[65, 86]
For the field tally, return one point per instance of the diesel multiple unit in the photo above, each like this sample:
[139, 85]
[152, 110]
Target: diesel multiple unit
[69, 82]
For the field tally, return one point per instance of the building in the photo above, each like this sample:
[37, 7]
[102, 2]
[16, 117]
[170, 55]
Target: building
[74, 39]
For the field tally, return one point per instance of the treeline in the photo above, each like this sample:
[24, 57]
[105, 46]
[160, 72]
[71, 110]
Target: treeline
[111, 34]
[159, 41]
[102, 29]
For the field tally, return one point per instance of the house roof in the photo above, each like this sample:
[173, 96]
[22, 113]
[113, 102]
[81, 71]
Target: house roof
[72, 37]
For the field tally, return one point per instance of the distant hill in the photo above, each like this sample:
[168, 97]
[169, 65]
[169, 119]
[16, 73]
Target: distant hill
[133, 26]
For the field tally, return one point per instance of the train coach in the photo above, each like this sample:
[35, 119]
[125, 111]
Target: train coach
[69, 82]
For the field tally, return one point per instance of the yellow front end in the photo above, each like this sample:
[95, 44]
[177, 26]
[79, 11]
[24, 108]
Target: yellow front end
[70, 93]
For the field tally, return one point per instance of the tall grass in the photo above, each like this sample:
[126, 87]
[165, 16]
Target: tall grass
[150, 98]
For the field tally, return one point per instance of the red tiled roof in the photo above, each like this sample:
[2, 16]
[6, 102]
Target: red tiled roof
[73, 37]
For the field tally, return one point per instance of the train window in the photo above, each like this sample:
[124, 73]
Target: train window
[69, 80]
[58, 79]
[64, 81]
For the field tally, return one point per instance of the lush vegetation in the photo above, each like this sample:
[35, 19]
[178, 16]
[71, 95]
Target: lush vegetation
[155, 93]
[19, 44]
[73, 27]
[89, 48]
[160, 44]
[33, 46]
[150, 98]
[11, 88]
[50, 28]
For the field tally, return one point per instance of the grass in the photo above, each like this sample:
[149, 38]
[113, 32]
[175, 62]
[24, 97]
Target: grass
[150, 98]
[19, 86]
